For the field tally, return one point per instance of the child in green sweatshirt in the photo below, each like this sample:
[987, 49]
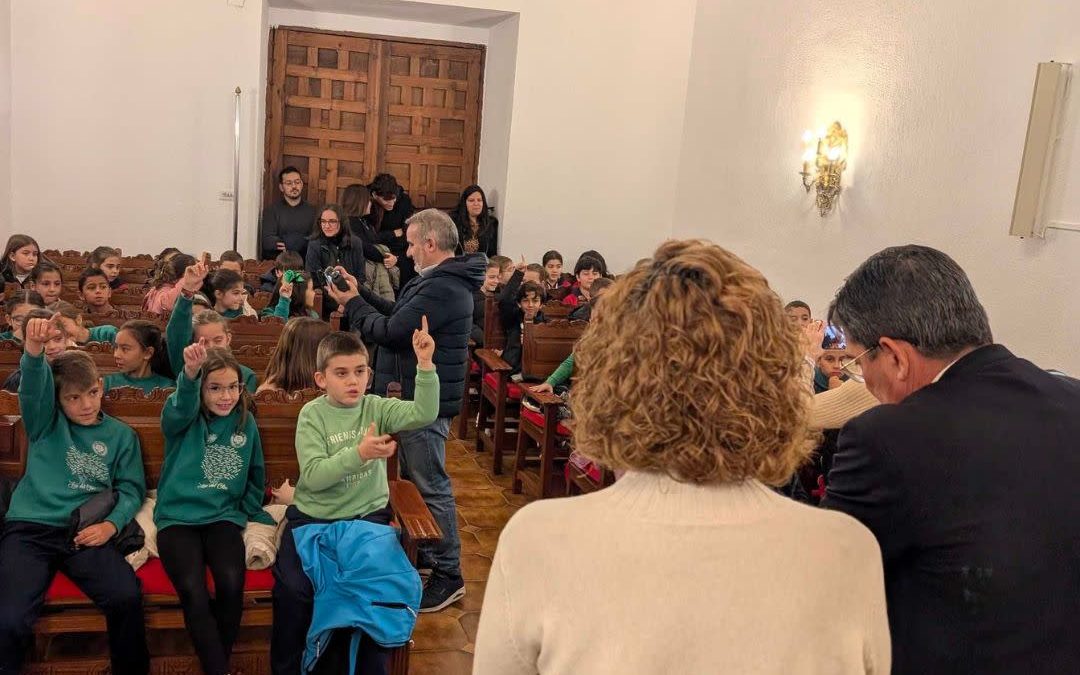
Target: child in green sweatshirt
[342, 442]
[75, 453]
[211, 486]
[208, 326]
[141, 357]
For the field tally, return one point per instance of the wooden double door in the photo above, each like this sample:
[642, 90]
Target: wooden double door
[345, 107]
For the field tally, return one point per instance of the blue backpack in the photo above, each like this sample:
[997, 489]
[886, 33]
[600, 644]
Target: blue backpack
[363, 581]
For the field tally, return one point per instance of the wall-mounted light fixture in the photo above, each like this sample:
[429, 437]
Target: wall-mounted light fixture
[824, 161]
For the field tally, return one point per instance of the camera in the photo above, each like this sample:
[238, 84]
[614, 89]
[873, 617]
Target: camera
[834, 338]
[334, 277]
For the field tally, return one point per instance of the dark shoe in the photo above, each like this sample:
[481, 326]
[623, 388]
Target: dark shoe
[441, 592]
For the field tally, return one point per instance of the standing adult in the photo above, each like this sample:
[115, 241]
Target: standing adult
[285, 224]
[478, 230]
[965, 475]
[691, 381]
[443, 292]
[391, 207]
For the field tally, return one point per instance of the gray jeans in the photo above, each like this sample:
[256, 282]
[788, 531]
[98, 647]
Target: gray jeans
[422, 458]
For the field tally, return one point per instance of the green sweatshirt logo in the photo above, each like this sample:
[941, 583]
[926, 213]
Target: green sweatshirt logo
[88, 472]
[221, 463]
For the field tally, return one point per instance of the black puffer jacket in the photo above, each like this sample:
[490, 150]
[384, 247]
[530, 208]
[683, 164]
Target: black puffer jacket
[445, 296]
[345, 250]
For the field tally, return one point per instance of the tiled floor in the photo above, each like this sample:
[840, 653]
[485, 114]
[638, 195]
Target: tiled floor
[444, 640]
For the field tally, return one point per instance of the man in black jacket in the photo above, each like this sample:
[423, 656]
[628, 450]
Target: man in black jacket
[965, 475]
[443, 292]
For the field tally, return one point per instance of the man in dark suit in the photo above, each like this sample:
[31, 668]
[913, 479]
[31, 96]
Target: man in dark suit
[966, 475]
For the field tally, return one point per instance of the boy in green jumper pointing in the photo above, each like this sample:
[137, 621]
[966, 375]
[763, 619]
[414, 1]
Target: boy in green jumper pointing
[342, 442]
[75, 453]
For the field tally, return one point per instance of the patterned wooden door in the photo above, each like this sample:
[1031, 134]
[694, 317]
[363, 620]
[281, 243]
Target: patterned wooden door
[343, 108]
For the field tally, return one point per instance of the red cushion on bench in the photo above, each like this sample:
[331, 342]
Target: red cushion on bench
[538, 419]
[474, 368]
[156, 582]
[512, 390]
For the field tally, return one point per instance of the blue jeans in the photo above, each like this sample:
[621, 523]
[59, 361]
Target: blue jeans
[422, 458]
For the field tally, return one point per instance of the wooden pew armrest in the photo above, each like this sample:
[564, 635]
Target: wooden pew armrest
[412, 514]
[543, 398]
[492, 361]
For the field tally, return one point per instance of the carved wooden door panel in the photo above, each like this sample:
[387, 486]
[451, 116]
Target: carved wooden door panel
[344, 107]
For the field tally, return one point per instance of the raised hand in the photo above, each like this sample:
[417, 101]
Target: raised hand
[194, 358]
[194, 275]
[521, 264]
[813, 337]
[286, 289]
[40, 331]
[423, 345]
[373, 446]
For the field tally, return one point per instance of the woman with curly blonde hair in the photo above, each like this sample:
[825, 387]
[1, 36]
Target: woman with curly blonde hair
[690, 379]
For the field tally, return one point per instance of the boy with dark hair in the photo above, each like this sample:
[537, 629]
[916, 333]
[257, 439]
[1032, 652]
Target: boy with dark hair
[535, 272]
[342, 442]
[506, 267]
[76, 454]
[519, 302]
[584, 312]
[798, 312]
[586, 271]
[95, 291]
[231, 260]
[490, 285]
[286, 260]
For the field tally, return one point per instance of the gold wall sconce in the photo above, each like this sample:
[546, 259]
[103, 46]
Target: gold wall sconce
[824, 160]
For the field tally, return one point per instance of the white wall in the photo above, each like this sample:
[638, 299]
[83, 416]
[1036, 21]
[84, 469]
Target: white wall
[123, 122]
[936, 98]
[5, 117]
[497, 114]
[280, 16]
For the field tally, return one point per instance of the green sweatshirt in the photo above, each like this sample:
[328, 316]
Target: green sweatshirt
[232, 313]
[68, 463]
[178, 334]
[147, 384]
[8, 335]
[334, 482]
[563, 373]
[281, 309]
[103, 334]
[212, 471]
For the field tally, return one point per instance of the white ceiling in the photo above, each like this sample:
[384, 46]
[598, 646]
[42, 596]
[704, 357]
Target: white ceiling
[400, 9]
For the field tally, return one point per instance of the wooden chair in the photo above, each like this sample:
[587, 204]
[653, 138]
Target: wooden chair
[494, 338]
[543, 347]
[554, 309]
[10, 354]
[499, 397]
[252, 330]
[255, 356]
[275, 416]
[581, 481]
[119, 317]
[102, 354]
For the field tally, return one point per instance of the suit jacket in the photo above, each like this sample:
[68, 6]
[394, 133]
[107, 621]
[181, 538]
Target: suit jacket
[968, 485]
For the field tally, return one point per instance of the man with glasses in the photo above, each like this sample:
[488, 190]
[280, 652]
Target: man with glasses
[286, 224]
[965, 475]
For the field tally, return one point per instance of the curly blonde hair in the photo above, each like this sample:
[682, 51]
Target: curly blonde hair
[691, 368]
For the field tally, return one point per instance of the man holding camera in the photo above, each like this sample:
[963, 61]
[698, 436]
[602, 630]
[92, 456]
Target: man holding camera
[443, 292]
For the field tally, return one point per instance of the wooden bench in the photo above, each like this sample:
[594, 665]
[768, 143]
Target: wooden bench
[544, 346]
[275, 415]
[494, 338]
[499, 396]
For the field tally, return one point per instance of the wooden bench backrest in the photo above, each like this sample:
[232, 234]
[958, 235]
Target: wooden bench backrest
[546, 345]
[494, 334]
[554, 309]
[10, 353]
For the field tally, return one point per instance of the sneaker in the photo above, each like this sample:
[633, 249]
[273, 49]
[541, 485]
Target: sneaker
[441, 592]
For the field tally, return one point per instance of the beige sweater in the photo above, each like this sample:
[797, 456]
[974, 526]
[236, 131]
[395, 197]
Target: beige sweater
[655, 576]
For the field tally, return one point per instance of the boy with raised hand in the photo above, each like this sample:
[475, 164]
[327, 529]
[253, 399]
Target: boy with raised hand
[75, 454]
[342, 442]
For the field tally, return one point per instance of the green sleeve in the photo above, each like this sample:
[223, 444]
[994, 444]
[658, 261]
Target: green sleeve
[396, 415]
[182, 407]
[256, 483]
[104, 333]
[280, 309]
[320, 470]
[251, 380]
[178, 332]
[129, 481]
[37, 396]
[563, 372]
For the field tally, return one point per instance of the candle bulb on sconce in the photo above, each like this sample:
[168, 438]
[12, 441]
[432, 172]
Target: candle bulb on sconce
[824, 160]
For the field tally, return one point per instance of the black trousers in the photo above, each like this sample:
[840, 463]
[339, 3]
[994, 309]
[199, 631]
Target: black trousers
[30, 556]
[186, 551]
[294, 601]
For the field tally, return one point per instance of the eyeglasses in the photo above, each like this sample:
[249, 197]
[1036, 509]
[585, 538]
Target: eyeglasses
[293, 183]
[852, 369]
[330, 222]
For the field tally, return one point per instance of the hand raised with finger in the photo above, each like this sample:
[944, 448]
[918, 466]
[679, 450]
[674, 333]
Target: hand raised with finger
[423, 345]
[286, 289]
[194, 276]
[40, 331]
[374, 446]
[521, 266]
[194, 358]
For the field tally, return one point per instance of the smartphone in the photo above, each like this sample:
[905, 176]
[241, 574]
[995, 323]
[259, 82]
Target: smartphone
[834, 338]
[334, 277]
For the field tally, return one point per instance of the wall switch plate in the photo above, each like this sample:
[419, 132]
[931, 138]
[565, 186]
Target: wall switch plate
[226, 195]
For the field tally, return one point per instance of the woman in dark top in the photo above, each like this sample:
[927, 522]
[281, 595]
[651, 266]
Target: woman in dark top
[478, 230]
[356, 202]
[332, 243]
[390, 208]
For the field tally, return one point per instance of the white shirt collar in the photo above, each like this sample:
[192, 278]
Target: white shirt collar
[946, 368]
